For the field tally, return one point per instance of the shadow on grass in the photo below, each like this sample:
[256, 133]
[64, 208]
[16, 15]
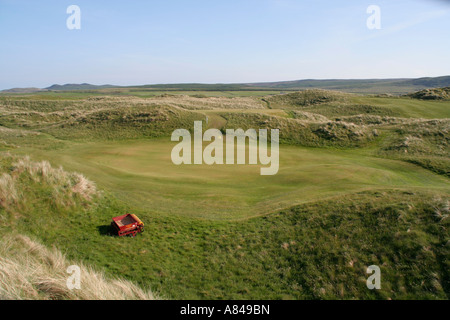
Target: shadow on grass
[105, 230]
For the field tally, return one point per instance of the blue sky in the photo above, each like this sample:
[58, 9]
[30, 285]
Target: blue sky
[218, 41]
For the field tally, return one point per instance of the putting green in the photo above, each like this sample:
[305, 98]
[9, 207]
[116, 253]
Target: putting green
[141, 172]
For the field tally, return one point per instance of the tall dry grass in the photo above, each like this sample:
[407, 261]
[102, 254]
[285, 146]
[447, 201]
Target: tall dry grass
[65, 186]
[8, 191]
[43, 172]
[29, 270]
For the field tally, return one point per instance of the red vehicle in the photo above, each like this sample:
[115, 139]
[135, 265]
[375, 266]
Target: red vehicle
[127, 225]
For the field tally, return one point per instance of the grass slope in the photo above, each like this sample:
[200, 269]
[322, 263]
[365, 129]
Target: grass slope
[142, 173]
[313, 251]
[29, 270]
[363, 180]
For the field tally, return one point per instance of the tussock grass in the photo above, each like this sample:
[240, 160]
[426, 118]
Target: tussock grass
[315, 131]
[125, 123]
[29, 270]
[307, 98]
[43, 172]
[226, 232]
[303, 115]
[422, 142]
[432, 94]
[316, 250]
[209, 103]
[8, 191]
[5, 145]
[19, 173]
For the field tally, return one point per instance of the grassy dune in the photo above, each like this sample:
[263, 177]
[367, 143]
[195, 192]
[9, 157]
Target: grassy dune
[363, 180]
[317, 250]
[29, 270]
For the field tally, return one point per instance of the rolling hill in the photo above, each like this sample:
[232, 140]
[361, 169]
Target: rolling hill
[372, 86]
[363, 180]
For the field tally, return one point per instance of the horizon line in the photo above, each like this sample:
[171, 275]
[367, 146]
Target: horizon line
[227, 83]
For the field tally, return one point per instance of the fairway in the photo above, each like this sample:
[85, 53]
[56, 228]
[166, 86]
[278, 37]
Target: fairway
[141, 173]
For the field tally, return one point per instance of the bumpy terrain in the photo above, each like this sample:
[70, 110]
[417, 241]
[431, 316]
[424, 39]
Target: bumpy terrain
[363, 180]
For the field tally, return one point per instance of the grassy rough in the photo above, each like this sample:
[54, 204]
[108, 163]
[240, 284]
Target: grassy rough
[306, 98]
[432, 94]
[58, 187]
[423, 142]
[31, 271]
[318, 249]
[310, 133]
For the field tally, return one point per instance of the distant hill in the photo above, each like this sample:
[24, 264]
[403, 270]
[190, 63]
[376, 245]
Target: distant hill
[374, 86]
[23, 90]
[430, 82]
[360, 85]
[398, 86]
[74, 86]
[195, 87]
[329, 83]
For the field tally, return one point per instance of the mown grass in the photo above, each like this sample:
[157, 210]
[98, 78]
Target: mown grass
[29, 270]
[347, 195]
[142, 173]
[313, 251]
